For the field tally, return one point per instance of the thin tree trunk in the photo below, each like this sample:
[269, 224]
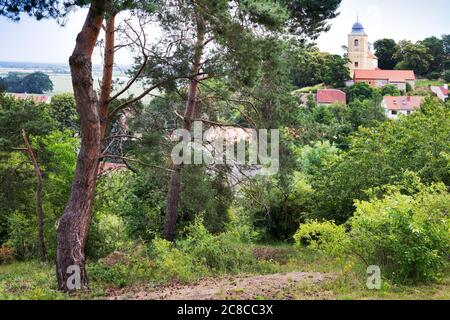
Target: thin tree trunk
[174, 191]
[73, 226]
[39, 183]
[108, 67]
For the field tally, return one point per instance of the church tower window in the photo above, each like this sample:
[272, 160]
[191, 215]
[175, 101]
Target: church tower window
[356, 43]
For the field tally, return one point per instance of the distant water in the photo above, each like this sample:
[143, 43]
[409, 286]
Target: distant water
[60, 76]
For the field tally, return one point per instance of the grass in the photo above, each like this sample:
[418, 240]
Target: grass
[312, 89]
[28, 280]
[422, 83]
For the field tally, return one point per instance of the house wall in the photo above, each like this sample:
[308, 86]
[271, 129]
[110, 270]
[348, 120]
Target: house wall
[393, 114]
[438, 92]
[400, 85]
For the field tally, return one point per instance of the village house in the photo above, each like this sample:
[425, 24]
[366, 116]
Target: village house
[441, 91]
[379, 78]
[405, 105]
[330, 96]
[32, 97]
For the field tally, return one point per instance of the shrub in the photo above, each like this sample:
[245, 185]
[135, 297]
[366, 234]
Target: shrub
[326, 236]
[409, 88]
[390, 90]
[107, 234]
[447, 76]
[406, 235]
[173, 263]
[224, 253]
[433, 75]
[22, 235]
[6, 255]
[123, 268]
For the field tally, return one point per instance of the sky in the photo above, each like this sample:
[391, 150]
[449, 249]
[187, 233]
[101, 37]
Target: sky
[46, 41]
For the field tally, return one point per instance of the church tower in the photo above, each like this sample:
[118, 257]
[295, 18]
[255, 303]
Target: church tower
[358, 50]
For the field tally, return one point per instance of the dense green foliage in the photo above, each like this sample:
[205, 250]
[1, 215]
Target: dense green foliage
[380, 155]
[428, 58]
[350, 182]
[311, 67]
[406, 235]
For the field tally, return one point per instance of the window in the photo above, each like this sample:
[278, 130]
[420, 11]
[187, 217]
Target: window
[394, 112]
[356, 64]
[356, 43]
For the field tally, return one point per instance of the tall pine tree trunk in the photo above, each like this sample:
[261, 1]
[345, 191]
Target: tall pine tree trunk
[39, 186]
[73, 226]
[174, 191]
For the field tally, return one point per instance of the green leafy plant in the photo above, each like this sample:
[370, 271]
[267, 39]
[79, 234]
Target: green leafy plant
[407, 235]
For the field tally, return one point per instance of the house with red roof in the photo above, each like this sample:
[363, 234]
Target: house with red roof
[405, 105]
[330, 96]
[109, 167]
[379, 78]
[32, 97]
[441, 92]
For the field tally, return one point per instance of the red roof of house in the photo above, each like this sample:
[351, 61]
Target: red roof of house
[403, 103]
[106, 167]
[390, 75]
[331, 96]
[34, 98]
[444, 91]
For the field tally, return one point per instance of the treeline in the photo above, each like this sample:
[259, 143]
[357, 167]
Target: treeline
[429, 58]
[36, 82]
[310, 67]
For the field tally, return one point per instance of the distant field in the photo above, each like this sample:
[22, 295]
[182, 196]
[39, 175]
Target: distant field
[62, 83]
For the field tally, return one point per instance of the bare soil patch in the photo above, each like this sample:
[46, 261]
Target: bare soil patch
[273, 286]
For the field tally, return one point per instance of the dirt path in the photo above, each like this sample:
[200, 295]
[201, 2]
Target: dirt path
[274, 286]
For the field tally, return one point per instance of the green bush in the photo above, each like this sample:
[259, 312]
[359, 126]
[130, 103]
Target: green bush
[433, 75]
[173, 263]
[447, 76]
[22, 235]
[7, 255]
[223, 253]
[409, 88]
[106, 235]
[408, 236]
[325, 236]
[123, 268]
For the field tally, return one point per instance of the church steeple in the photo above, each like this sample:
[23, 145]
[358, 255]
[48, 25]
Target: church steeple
[358, 29]
[358, 49]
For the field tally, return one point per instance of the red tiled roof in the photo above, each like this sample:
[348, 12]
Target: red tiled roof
[390, 75]
[331, 96]
[403, 103]
[34, 98]
[444, 91]
[106, 167]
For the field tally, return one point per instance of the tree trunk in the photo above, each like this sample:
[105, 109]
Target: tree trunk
[39, 183]
[108, 67]
[174, 191]
[73, 226]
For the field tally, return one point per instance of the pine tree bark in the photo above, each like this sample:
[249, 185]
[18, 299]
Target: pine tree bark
[73, 226]
[39, 186]
[173, 194]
